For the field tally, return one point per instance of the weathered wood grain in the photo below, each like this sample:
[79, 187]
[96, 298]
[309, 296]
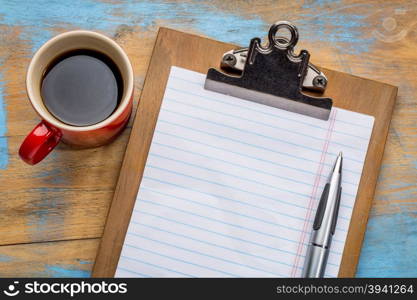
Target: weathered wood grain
[58, 259]
[339, 34]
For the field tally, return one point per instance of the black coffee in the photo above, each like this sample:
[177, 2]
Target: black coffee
[82, 87]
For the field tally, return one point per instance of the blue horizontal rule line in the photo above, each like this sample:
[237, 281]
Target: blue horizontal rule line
[155, 266]
[227, 211]
[257, 122]
[265, 113]
[273, 115]
[252, 145]
[224, 235]
[178, 259]
[230, 187]
[224, 198]
[235, 164]
[217, 233]
[245, 155]
[221, 197]
[245, 167]
[133, 272]
[221, 222]
[226, 186]
[200, 253]
[252, 133]
[216, 245]
[242, 178]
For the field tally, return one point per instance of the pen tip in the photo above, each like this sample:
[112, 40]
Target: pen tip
[341, 154]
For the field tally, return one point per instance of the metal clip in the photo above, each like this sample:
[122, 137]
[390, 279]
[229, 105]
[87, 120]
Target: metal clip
[273, 75]
[234, 61]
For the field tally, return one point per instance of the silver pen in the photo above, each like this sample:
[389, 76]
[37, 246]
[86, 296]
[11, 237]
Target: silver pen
[324, 224]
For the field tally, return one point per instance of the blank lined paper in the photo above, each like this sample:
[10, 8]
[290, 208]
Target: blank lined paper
[230, 187]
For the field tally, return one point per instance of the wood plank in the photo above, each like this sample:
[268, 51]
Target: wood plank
[45, 204]
[339, 35]
[58, 259]
[198, 54]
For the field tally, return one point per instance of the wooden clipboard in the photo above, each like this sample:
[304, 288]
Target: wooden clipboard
[199, 54]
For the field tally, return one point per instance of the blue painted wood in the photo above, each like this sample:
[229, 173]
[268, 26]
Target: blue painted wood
[4, 149]
[337, 24]
[390, 245]
[60, 271]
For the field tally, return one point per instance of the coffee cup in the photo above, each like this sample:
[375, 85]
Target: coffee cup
[80, 83]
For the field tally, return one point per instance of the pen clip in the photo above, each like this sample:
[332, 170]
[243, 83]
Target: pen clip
[321, 208]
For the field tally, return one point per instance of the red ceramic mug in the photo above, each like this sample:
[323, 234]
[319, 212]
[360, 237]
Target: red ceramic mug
[50, 131]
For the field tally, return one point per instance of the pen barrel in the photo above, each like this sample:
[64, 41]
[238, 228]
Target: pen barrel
[315, 262]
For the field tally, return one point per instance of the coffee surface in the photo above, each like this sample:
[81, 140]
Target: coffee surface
[82, 88]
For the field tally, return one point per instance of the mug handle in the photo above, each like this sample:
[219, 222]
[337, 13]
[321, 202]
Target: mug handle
[39, 142]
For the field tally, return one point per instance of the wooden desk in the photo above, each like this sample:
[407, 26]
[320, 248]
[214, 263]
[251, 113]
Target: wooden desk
[52, 215]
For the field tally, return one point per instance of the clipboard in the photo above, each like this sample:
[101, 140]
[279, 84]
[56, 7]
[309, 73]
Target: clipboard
[198, 54]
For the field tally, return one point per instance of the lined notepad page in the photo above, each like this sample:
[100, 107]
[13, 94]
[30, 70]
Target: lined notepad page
[230, 187]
